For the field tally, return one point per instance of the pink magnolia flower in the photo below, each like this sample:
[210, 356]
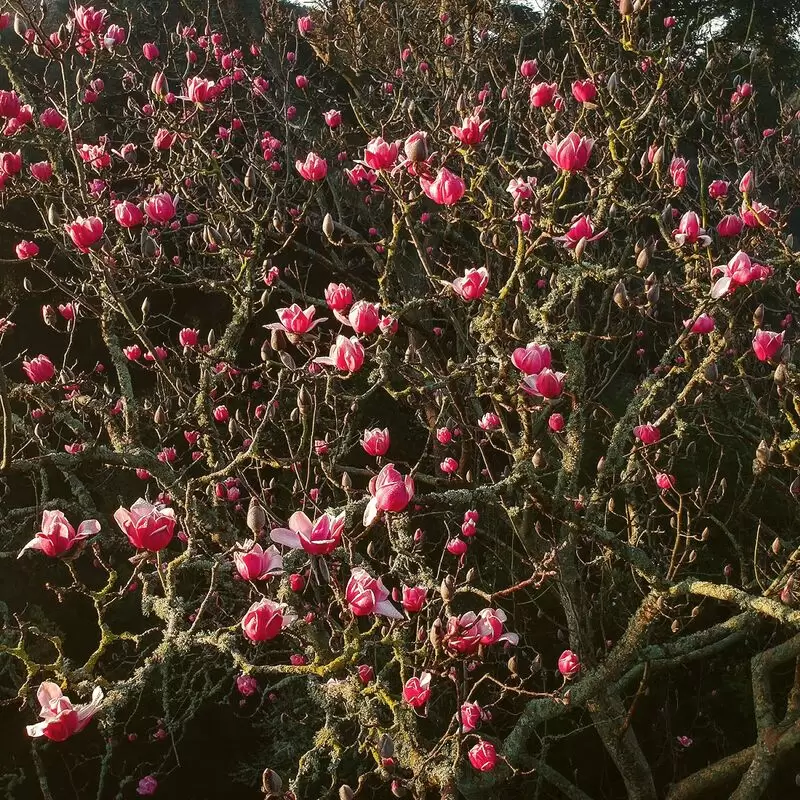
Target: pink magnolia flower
[489, 421]
[483, 756]
[547, 383]
[556, 423]
[85, 231]
[160, 208]
[39, 369]
[42, 171]
[200, 90]
[529, 68]
[542, 94]
[364, 317]
[347, 355]
[60, 719]
[338, 296]
[684, 741]
[366, 595]
[532, 358]
[449, 466]
[581, 229]
[146, 787]
[51, 118]
[317, 538]
[390, 492]
[254, 563]
[147, 527]
[730, 225]
[305, 25]
[246, 685]
[569, 665]
[150, 51]
[466, 633]
[521, 189]
[360, 177]
[57, 536]
[746, 183]
[456, 547]
[471, 715]
[647, 434]
[739, 271]
[669, 22]
[703, 324]
[447, 188]
[571, 153]
[472, 130]
[10, 163]
[188, 337]
[333, 118]
[90, 21]
[584, 91]
[473, 285]
[375, 441]
[380, 154]
[314, 168]
[690, 232]
[264, 620]
[718, 189]
[679, 171]
[26, 250]
[767, 344]
[665, 481]
[417, 691]
[164, 139]
[128, 215]
[296, 320]
[414, 598]
[757, 215]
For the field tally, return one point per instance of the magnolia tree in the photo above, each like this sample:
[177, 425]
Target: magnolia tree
[396, 416]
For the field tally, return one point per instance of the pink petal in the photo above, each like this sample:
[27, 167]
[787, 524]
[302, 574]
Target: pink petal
[285, 537]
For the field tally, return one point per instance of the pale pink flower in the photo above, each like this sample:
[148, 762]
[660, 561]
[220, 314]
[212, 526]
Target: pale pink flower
[60, 719]
[57, 536]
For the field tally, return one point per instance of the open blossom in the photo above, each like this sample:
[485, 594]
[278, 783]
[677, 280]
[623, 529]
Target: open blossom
[446, 189]
[338, 296]
[390, 492]
[85, 231]
[472, 130]
[466, 633]
[581, 229]
[532, 358]
[542, 94]
[57, 535]
[188, 337]
[739, 271]
[690, 232]
[647, 434]
[703, 324]
[26, 250]
[147, 527]
[296, 320]
[547, 383]
[757, 215]
[347, 355]
[90, 21]
[147, 786]
[364, 317]
[366, 595]
[679, 171]
[375, 441]
[380, 154]
[473, 285]
[360, 177]
[42, 171]
[767, 344]
[51, 118]
[489, 421]
[417, 691]
[10, 163]
[333, 118]
[571, 153]
[254, 563]
[569, 665]
[265, 619]
[39, 369]
[200, 90]
[521, 189]
[60, 719]
[317, 538]
[314, 168]
[584, 91]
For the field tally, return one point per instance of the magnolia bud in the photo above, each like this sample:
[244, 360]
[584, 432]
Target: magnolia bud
[446, 588]
[777, 546]
[53, 217]
[327, 226]
[346, 793]
[256, 517]
[271, 783]
[621, 295]
[539, 459]
[160, 416]
[250, 178]
[347, 482]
